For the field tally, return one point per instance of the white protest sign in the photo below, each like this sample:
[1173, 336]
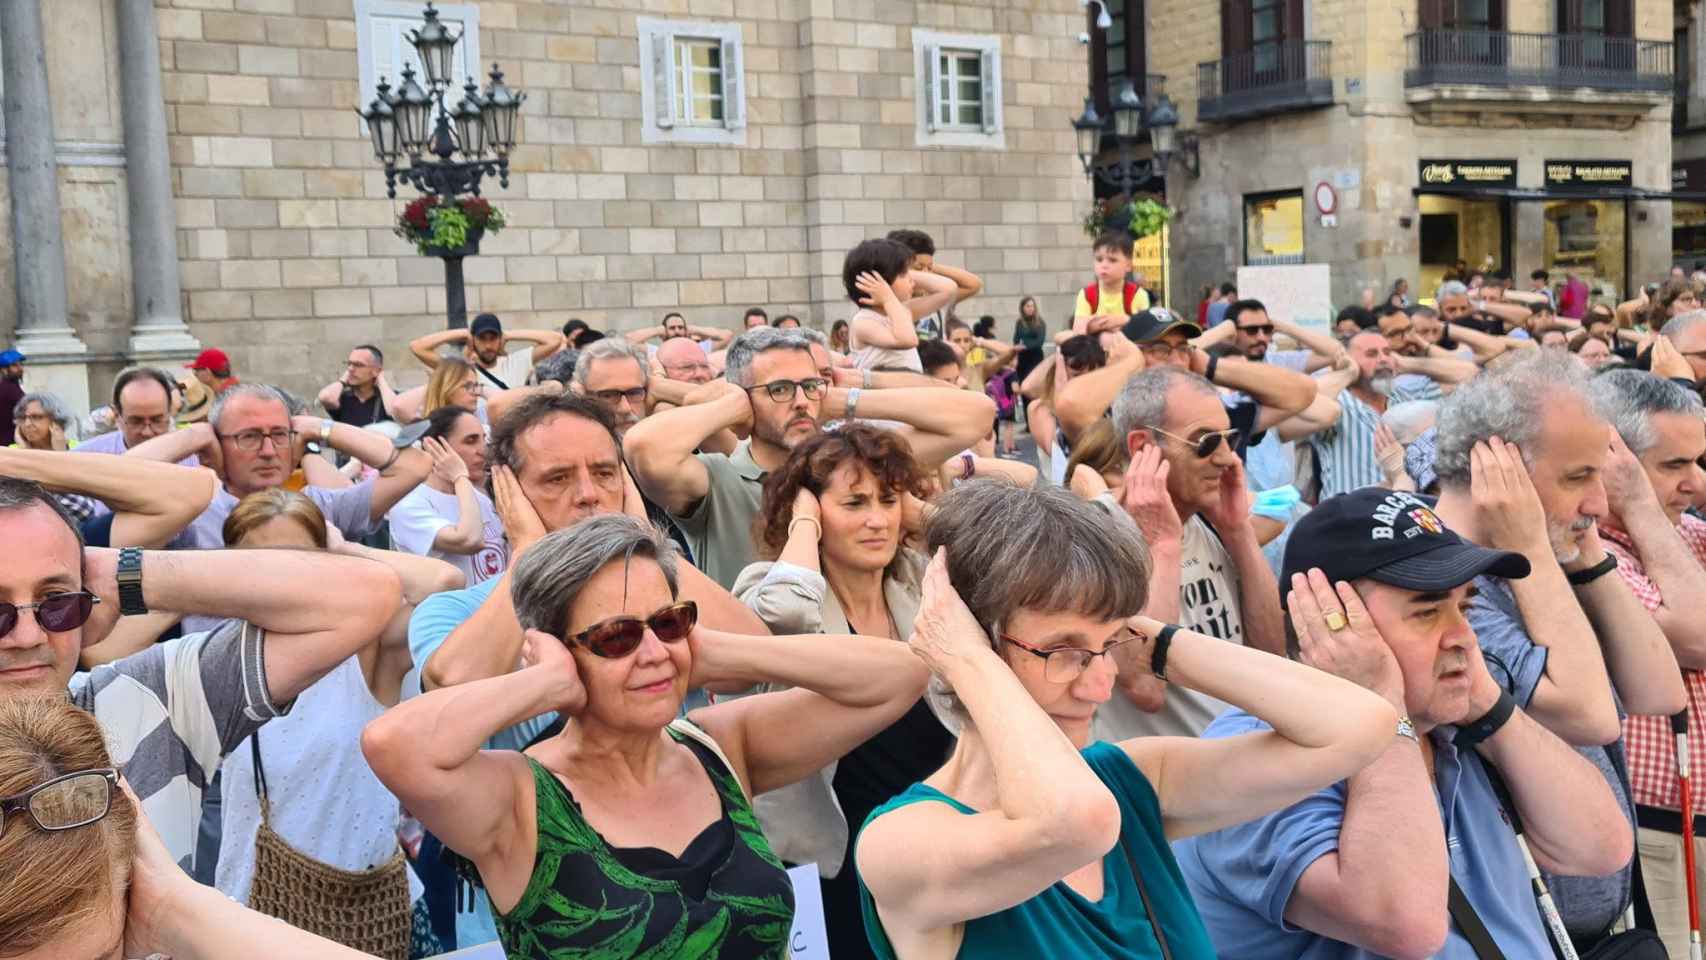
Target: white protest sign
[1300, 292]
[809, 940]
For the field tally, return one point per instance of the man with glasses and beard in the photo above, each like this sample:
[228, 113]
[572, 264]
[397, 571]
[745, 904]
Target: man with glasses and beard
[774, 390]
[1570, 642]
[1186, 491]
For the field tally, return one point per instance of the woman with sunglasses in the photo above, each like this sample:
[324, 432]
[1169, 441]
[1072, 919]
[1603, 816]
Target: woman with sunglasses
[631, 832]
[834, 518]
[1033, 842]
[86, 875]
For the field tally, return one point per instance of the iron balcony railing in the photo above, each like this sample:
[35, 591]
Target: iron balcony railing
[1558, 60]
[1271, 78]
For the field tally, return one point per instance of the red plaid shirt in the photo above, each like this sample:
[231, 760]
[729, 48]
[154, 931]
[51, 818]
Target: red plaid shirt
[1650, 744]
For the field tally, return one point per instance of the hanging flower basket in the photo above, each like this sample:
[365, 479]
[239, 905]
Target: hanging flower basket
[1140, 218]
[448, 228]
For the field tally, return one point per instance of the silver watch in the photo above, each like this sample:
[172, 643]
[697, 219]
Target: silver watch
[1408, 729]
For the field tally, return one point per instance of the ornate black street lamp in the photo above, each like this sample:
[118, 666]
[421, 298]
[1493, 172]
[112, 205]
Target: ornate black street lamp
[1130, 119]
[441, 151]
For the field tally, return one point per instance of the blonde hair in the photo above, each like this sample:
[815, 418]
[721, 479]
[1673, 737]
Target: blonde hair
[441, 387]
[262, 507]
[1101, 448]
[58, 882]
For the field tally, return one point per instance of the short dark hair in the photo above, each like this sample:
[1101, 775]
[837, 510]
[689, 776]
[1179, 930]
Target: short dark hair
[935, 354]
[533, 410]
[1386, 310]
[1117, 241]
[1544, 306]
[378, 354]
[755, 312]
[1539, 275]
[674, 313]
[885, 258]
[131, 375]
[1240, 307]
[1084, 350]
[441, 421]
[1364, 319]
[917, 241]
[16, 494]
[955, 323]
[1228, 288]
[782, 318]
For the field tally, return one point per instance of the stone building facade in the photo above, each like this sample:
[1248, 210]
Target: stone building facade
[276, 227]
[1524, 133]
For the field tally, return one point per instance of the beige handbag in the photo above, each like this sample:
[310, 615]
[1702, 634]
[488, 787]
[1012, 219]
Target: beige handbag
[365, 910]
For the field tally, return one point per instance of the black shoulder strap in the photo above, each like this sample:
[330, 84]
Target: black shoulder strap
[489, 375]
[1143, 894]
[1469, 923]
[1637, 883]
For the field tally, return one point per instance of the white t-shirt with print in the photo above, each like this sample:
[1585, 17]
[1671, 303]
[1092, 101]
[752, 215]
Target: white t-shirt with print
[418, 517]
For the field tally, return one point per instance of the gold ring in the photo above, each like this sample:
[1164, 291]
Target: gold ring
[1336, 621]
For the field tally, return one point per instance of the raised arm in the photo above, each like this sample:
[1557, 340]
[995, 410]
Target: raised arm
[1281, 393]
[329, 394]
[309, 629]
[1484, 346]
[931, 292]
[894, 328]
[388, 397]
[399, 470]
[927, 866]
[1325, 727]
[939, 421]
[660, 447]
[425, 348]
[717, 335]
[1258, 594]
[1000, 353]
[643, 334]
[1444, 370]
[1083, 400]
[966, 283]
[152, 502]
[545, 342]
[1319, 342]
[467, 535]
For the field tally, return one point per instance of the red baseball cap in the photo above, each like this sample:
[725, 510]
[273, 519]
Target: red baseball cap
[211, 359]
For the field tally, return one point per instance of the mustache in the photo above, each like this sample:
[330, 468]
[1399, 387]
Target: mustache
[1457, 661]
[1582, 523]
[22, 662]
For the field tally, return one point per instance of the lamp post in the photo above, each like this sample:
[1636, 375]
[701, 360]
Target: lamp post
[441, 151]
[1130, 119]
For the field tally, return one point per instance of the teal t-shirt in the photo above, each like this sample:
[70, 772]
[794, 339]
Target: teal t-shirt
[1061, 923]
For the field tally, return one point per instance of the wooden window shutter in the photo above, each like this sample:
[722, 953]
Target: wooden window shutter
[990, 87]
[933, 96]
[663, 78]
[1234, 27]
[734, 98]
[1619, 18]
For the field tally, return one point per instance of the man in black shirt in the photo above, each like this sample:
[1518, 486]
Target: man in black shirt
[361, 396]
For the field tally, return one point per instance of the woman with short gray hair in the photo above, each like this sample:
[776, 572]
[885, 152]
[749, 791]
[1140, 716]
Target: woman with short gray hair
[1030, 608]
[631, 832]
[44, 423]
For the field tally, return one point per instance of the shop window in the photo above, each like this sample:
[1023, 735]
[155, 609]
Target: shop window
[1587, 236]
[1273, 228]
[1688, 233]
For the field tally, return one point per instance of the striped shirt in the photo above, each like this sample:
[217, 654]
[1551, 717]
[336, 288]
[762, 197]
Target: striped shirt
[172, 712]
[1346, 448]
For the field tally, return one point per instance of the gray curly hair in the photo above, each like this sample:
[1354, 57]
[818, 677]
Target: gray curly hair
[51, 405]
[1630, 398]
[1509, 401]
[737, 366]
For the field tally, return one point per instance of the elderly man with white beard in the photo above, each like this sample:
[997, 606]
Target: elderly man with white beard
[1346, 447]
[1571, 645]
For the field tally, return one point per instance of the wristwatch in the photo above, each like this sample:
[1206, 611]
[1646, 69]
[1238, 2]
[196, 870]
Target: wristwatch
[852, 404]
[1408, 729]
[325, 432]
[130, 583]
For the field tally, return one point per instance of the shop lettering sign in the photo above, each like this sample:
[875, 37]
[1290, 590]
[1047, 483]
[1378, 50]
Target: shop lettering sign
[1589, 176]
[1467, 174]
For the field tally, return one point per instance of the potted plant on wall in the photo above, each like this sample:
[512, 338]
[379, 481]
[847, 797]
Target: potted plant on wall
[1140, 218]
[448, 228]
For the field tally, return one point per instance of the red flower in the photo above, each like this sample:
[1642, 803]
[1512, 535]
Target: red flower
[416, 214]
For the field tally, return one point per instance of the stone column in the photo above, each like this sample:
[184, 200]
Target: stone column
[56, 355]
[158, 332]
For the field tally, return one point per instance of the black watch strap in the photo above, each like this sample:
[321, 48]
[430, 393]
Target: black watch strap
[130, 582]
[1475, 731]
[1158, 656]
[1586, 576]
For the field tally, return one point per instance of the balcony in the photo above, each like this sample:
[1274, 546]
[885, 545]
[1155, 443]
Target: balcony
[1548, 61]
[1274, 78]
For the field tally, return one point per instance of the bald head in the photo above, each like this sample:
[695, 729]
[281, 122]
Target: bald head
[683, 359]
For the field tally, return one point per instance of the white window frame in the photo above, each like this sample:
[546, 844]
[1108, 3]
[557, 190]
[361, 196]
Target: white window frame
[928, 46]
[384, 52]
[663, 82]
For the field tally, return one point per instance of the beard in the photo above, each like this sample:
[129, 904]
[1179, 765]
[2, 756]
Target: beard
[1565, 546]
[1256, 352]
[1381, 383]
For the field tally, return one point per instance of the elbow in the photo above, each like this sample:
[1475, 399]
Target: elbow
[375, 597]
[383, 743]
[1085, 827]
[1410, 931]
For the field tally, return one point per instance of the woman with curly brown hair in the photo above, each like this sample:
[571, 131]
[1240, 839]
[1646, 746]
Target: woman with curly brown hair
[835, 518]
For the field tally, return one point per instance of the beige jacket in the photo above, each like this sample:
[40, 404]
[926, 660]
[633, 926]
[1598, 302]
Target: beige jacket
[803, 821]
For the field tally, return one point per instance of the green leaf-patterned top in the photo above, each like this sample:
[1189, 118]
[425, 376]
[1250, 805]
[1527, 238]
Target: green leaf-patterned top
[585, 900]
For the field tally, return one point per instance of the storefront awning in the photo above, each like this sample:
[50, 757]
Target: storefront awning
[1541, 193]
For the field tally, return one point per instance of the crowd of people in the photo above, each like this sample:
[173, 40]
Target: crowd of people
[1367, 640]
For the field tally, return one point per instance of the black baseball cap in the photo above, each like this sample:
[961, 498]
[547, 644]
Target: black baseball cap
[1392, 537]
[1153, 324]
[485, 323]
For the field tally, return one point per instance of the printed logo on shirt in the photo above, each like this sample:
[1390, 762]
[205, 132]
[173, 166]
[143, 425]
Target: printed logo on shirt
[490, 561]
[1205, 608]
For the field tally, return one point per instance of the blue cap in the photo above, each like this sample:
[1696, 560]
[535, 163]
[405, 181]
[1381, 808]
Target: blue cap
[11, 358]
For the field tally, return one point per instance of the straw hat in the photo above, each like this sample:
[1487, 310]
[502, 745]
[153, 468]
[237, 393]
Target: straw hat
[197, 399]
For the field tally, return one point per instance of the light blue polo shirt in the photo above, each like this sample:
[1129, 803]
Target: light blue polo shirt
[1243, 877]
[432, 622]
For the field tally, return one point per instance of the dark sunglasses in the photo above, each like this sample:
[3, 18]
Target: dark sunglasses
[64, 803]
[56, 614]
[1262, 328]
[619, 636]
[1205, 445]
